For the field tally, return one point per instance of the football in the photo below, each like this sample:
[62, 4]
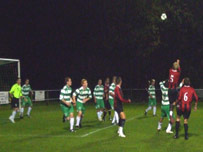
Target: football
[163, 16]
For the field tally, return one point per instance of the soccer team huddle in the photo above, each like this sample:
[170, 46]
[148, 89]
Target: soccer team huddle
[110, 97]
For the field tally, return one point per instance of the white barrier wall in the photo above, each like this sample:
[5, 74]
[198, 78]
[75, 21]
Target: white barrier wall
[4, 97]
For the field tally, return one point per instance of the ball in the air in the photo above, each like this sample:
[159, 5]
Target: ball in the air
[163, 16]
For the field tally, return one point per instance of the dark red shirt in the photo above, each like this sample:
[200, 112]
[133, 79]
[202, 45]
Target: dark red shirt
[186, 95]
[118, 98]
[106, 91]
[174, 76]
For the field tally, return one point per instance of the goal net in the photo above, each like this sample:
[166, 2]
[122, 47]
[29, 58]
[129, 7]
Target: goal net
[9, 71]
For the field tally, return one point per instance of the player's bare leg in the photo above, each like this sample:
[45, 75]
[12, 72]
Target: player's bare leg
[121, 124]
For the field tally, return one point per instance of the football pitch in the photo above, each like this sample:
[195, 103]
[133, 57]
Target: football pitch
[45, 132]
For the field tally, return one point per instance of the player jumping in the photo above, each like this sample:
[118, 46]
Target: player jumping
[174, 75]
[118, 106]
[165, 107]
[66, 102]
[83, 95]
[26, 90]
[184, 101]
[99, 99]
[152, 97]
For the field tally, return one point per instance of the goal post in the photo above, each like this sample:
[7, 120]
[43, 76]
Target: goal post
[9, 72]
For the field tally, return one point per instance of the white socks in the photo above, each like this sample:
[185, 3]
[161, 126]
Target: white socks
[13, 115]
[77, 121]
[29, 110]
[98, 114]
[120, 130]
[149, 108]
[21, 111]
[169, 127]
[115, 118]
[154, 110]
[171, 113]
[71, 123]
[159, 125]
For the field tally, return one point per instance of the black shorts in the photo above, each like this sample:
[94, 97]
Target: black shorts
[185, 113]
[14, 103]
[173, 95]
[119, 110]
[107, 104]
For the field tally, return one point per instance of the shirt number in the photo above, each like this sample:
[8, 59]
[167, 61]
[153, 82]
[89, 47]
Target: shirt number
[185, 96]
[171, 78]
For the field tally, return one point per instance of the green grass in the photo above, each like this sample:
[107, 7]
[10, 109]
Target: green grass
[45, 132]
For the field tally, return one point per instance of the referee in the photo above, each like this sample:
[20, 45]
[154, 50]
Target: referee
[15, 94]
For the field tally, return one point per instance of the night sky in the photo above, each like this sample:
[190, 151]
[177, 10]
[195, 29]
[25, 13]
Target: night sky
[96, 39]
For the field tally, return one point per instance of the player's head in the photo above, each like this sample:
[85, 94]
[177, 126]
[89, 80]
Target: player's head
[27, 81]
[152, 82]
[84, 83]
[68, 81]
[114, 79]
[18, 80]
[119, 81]
[107, 81]
[186, 81]
[175, 65]
[100, 82]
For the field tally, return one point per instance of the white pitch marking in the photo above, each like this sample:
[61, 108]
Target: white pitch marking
[64, 136]
[41, 136]
[85, 135]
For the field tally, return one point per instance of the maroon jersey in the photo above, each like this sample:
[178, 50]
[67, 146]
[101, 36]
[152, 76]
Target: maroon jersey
[106, 91]
[186, 96]
[118, 98]
[174, 76]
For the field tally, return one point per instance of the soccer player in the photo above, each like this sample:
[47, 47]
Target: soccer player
[99, 99]
[111, 100]
[66, 103]
[152, 97]
[186, 95]
[106, 99]
[83, 95]
[118, 106]
[174, 75]
[26, 90]
[16, 94]
[165, 107]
